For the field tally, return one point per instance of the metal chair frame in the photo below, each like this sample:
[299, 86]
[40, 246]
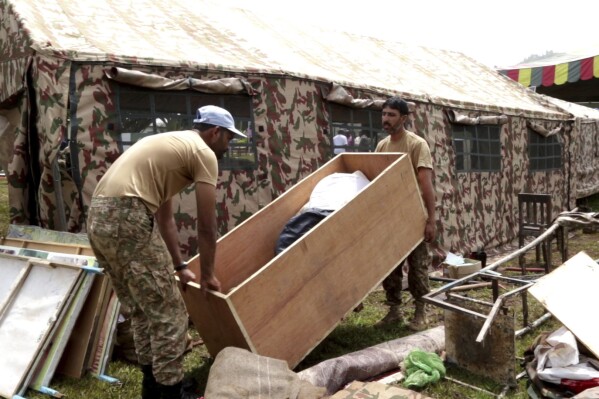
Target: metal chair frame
[534, 218]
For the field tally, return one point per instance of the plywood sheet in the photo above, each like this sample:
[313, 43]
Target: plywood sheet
[285, 305]
[73, 363]
[13, 273]
[225, 328]
[44, 353]
[101, 315]
[241, 251]
[46, 370]
[376, 390]
[28, 319]
[48, 246]
[570, 294]
[101, 356]
[332, 268]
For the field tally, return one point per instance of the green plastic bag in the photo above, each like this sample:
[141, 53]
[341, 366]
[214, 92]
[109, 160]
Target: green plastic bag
[422, 368]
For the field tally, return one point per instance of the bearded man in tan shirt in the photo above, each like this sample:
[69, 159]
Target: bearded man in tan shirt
[394, 116]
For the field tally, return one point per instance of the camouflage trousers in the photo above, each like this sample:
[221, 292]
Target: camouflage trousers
[128, 245]
[419, 261]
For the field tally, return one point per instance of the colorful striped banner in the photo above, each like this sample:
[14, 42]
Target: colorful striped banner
[561, 73]
[568, 72]
[524, 77]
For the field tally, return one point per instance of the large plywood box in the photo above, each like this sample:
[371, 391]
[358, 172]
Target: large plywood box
[283, 306]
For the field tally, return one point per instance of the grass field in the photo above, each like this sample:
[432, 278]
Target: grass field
[4, 213]
[357, 331]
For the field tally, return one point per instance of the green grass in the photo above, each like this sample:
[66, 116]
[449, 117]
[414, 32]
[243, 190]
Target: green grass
[357, 331]
[4, 207]
[591, 202]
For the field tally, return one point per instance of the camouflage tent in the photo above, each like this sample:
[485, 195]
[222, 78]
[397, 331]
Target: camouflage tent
[81, 81]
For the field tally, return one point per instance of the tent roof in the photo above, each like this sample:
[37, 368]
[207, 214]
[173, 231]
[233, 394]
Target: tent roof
[579, 111]
[556, 69]
[206, 35]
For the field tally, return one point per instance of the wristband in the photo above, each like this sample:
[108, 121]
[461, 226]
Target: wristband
[182, 266]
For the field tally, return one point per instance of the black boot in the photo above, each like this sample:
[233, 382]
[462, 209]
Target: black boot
[149, 386]
[176, 391]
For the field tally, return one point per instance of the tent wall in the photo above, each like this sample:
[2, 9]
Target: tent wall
[586, 152]
[14, 52]
[290, 121]
[17, 160]
[15, 59]
[583, 149]
[50, 83]
[474, 210]
[52, 172]
[480, 209]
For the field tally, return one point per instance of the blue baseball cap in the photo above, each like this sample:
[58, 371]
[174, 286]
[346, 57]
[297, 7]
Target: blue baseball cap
[217, 116]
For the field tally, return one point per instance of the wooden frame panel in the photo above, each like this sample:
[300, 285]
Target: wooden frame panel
[80, 340]
[300, 295]
[48, 246]
[45, 371]
[30, 317]
[14, 274]
[569, 292]
[219, 323]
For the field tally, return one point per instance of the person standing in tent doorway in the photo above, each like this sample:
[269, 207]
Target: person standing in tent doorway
[340, 142]
[133, 234]
[394, 116]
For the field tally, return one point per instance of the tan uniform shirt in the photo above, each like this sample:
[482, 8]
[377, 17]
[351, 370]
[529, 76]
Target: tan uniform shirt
[412, 144]
[158, 167]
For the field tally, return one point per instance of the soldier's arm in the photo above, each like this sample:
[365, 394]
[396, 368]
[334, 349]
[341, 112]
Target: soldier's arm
[168, 231]
[206, 203]
[425, 181]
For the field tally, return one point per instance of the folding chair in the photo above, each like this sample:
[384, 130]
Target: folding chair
[535, 216]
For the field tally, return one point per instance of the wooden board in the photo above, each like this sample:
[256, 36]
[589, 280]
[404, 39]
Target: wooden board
[101, 314]
[46, 370]
[74, 361]
[48, 246]
[285, 305]
[82, 337]
[100, 357]
[45, 350]
[228, 331]
[570, 294]
[244, 254]
[14, 274]
[28, 319]
[376, 390]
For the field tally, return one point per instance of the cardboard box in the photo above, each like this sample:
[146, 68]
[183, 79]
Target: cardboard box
[283, 306]
[376, 390]
[467, 268]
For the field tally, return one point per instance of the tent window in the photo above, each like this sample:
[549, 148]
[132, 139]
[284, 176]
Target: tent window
[142, 112]
[477, 148]
[362, 125]
[544, 153]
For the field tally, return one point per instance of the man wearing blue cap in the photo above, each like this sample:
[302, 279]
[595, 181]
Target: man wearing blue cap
[132, 231]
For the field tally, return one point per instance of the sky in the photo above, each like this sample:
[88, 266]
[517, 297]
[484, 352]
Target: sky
[496, 33]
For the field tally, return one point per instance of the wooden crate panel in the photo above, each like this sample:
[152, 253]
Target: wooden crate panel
[215, 319]
[285, 305]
